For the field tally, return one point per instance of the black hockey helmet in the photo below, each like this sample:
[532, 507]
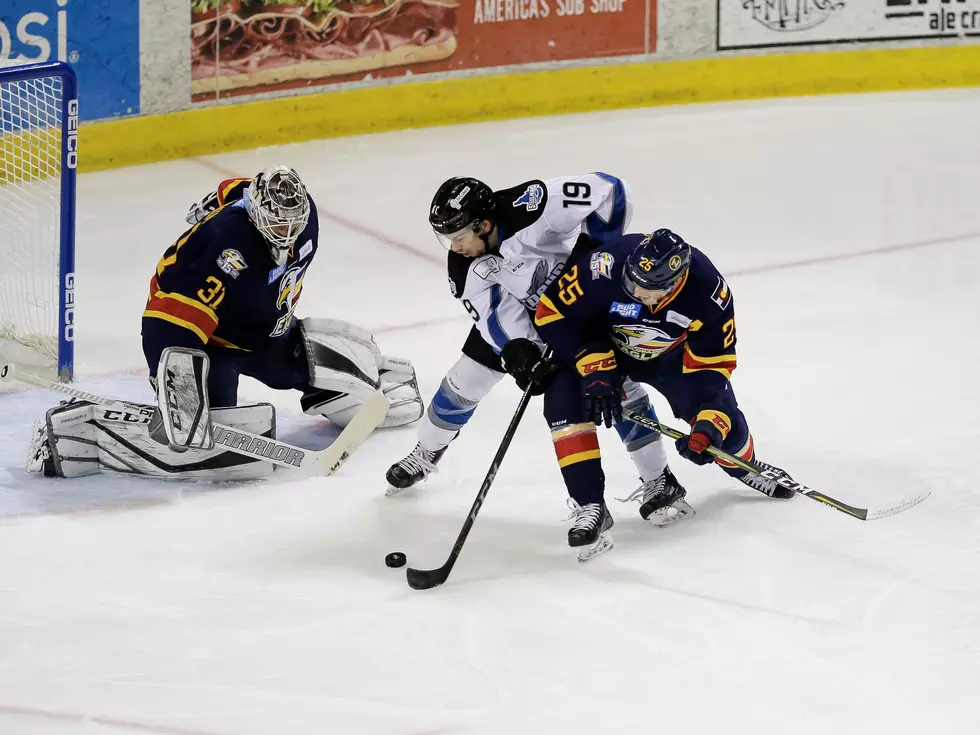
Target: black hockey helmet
[657, 263]
[460, 202]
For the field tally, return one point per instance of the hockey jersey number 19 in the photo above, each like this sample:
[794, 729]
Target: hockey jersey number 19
[538, 224]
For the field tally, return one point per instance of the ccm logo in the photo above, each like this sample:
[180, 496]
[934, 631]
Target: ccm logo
[71, 143]
[606, 363]
[69, 307]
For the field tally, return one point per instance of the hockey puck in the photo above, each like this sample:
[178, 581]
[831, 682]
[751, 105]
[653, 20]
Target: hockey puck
[395, 559]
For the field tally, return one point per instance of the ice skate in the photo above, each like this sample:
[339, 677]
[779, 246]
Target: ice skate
[411, 470]
[662, 500]
[588, 534]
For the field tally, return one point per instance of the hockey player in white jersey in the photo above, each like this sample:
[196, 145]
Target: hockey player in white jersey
[505, 248]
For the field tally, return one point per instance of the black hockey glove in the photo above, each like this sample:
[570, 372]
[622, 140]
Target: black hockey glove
[704, 434]
[523, 360]
[602, 385]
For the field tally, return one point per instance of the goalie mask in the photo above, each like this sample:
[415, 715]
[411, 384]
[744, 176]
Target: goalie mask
[277, 203]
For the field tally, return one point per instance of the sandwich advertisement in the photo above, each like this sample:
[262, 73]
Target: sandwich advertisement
[241, 47]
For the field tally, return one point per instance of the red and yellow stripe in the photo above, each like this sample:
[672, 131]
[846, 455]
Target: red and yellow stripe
[181, 310]
[673, 294]
[691, 363]
[547, 312]
[575, 443]
[746, 453]
[228, 186]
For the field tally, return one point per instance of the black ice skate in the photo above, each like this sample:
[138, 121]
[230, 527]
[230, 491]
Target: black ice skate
[590, 523]
[767, 485]
[414, 468]
[662, 500]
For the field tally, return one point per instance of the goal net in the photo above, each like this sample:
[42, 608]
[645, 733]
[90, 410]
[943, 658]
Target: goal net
[38, 160]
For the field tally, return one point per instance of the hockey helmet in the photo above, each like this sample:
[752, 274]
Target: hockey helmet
[460, 204]
[277, 203]
[657, 264]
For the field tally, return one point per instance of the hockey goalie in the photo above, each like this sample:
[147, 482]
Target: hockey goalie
[221, 305]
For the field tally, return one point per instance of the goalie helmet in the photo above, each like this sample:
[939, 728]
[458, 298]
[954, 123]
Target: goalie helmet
[277, 203]
[460, 204]
[657, 264]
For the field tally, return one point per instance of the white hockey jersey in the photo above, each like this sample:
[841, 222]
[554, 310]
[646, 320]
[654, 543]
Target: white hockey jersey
[538, 225]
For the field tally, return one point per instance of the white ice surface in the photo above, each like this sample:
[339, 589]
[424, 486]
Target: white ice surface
[850, 231]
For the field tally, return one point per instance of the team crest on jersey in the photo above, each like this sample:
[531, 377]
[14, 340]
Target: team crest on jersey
[452, 287]
[630, 311]
[531, 199]
[231, 262]
[722, 295]
[290, 288]
[641, 341]
[601, 265]
[486, 266]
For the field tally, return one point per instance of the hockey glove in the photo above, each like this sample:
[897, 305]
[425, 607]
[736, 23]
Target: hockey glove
[523, 360]
[709, 430]
[602, 385]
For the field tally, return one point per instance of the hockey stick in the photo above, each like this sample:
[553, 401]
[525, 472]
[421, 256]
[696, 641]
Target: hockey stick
[861, 513]
[324, 462]
[426, 579]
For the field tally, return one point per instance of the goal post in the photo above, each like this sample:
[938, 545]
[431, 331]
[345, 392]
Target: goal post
[38, 165]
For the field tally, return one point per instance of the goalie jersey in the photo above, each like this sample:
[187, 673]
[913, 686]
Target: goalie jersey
[218, 286]
[539, 223]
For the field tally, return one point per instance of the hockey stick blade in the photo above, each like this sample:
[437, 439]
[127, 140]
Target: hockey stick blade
[308, 462]
[426, 579]
[862, 514]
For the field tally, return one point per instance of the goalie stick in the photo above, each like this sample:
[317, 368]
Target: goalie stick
[861, 513]
[324, 462]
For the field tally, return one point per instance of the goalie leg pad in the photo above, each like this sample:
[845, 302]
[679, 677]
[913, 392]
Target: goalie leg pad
[82, 439]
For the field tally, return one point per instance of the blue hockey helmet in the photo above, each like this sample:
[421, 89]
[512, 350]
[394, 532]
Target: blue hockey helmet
[657, 264]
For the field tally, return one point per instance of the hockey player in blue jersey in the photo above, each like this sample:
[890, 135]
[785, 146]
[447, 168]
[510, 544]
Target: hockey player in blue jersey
[230, 286]
[654, 309]
[222, 304]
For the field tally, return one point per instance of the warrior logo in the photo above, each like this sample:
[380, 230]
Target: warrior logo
[290, 288]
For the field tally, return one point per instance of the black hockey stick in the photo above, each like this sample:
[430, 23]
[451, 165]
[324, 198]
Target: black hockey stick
[426, 579]
[784, 481]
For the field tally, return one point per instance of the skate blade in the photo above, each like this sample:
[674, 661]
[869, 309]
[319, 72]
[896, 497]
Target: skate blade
[587, 553]
[391, 490]
[671, 514]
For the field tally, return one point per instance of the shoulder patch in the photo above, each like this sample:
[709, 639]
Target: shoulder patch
[722, 295]
[520, 206]
[486, 265]
[531, 199]
[601, 265]
[459, 267]
[231, 262]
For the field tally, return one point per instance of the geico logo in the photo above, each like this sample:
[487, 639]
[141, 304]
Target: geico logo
[72, 141]
[69, 307]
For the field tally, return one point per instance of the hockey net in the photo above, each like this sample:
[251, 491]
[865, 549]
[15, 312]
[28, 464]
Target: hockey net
[38, 141]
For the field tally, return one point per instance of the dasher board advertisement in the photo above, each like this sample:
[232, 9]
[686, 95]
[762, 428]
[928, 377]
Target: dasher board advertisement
[753, 24]
[249, 46]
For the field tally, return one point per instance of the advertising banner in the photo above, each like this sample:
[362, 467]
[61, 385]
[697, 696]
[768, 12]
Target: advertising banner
[99, 38]
[748, 24]
[249, 46]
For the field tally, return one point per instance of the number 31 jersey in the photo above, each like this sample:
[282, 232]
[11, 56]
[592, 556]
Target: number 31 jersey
[538, 226]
